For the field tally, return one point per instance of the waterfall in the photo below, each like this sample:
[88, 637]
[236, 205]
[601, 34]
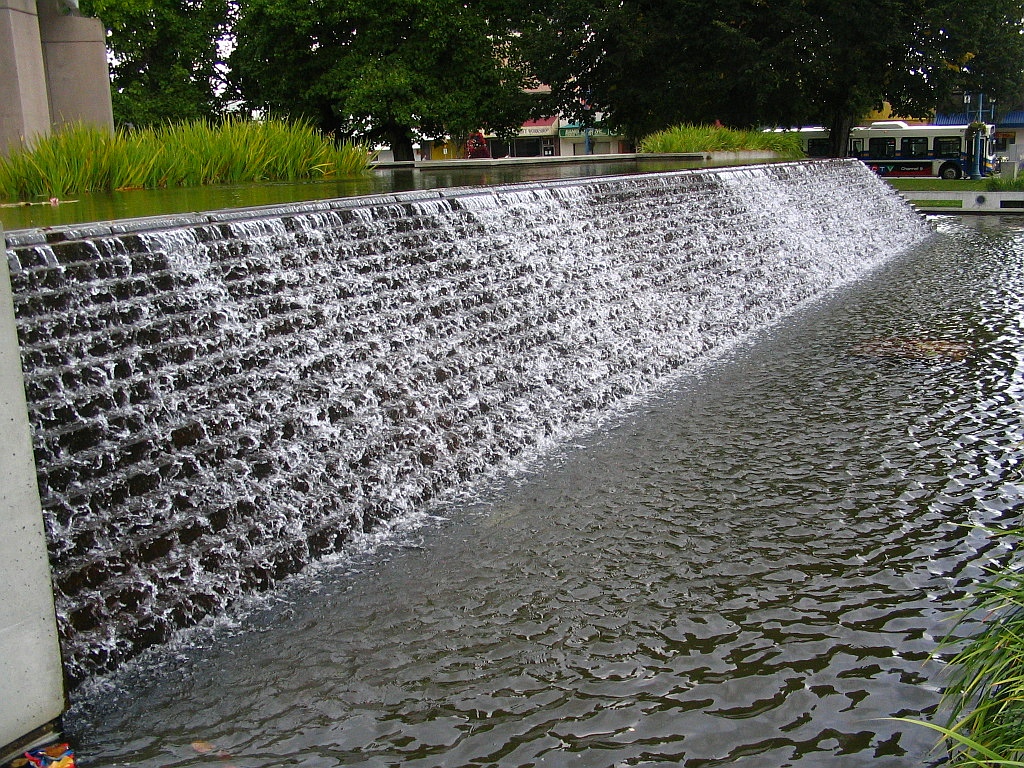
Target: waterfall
[218, 399]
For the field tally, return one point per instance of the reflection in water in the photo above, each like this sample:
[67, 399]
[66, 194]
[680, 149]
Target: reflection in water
[753, 569]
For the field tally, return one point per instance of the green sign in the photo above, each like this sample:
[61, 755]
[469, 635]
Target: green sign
[576, 132]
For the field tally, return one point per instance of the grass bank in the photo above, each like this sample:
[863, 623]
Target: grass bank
[712, 138]
[82, 158]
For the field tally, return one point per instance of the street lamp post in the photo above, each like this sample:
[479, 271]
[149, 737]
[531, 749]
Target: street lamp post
[976, 158]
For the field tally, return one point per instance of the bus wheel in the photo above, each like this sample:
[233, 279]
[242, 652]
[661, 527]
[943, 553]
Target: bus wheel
[950, 171]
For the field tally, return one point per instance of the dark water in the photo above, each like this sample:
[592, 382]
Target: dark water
[157, 202]
[753, 569]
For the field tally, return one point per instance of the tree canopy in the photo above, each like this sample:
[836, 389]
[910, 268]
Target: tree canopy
[649, 64]
[165, 62]
[396, 71]
[386, 70]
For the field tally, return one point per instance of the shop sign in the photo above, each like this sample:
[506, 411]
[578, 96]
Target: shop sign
[537, 130]
[575, 132]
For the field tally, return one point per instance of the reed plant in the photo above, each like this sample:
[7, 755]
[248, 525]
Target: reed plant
[134, 160]
[715, 138]
[985, 697]
[83, 158]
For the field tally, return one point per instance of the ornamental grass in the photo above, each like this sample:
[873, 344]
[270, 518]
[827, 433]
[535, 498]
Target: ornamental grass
[82, 158]
[985, 697]
[714, 138]
[1005, 183]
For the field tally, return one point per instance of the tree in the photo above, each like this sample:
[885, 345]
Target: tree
[383, 70]
[164, 57]
[649, 64]
[913, 55]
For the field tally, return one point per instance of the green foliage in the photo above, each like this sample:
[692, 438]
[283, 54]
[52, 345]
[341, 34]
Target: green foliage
[399, 70]
[907, 184]
[166, 61]
[961, 744]
[645, 65]
[383, 70]
[985, 697]
[1005, 184]
[85, 158]
[713, 138]
[987, 690]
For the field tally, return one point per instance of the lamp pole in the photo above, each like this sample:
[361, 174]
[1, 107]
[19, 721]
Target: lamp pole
[976, 159]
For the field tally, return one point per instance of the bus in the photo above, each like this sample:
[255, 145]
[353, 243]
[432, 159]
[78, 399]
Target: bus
[895, 148]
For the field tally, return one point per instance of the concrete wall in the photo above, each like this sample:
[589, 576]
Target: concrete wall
[77, 75]
[31, 676]
[53, 70]
[967, 202]
[24, 107]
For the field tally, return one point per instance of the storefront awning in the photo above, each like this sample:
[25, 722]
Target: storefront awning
[546, 126]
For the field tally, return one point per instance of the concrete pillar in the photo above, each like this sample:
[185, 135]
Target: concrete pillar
[75, 59]
[53, 70]
[32, 695]
[24, 106]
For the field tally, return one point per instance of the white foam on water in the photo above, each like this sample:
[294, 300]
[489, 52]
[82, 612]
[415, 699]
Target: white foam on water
[217, 406]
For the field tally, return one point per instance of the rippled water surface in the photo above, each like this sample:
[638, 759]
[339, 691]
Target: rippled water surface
[753, 569]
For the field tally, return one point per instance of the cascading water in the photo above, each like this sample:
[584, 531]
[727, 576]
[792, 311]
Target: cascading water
[216, 400]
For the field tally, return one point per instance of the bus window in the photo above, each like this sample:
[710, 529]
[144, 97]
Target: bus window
[882, 147]
[914, 147]
[819, 148]
[856, 147]
[947, 146]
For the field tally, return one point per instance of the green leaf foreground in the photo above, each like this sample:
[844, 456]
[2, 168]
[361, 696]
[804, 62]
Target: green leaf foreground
[985, 697]
[992, 758]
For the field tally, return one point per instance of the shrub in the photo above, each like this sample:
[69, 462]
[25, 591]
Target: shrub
[713, 138]
[1001, 184]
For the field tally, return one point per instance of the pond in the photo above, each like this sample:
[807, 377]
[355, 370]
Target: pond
[755, 567]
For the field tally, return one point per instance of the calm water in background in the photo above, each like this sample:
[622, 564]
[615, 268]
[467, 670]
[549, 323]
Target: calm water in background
[753, 569]
[158, 202]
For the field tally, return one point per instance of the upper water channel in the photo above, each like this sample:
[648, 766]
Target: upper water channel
[754, 568]
[99, 206]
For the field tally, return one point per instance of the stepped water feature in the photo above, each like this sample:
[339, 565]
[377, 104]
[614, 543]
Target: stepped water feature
[218, 399]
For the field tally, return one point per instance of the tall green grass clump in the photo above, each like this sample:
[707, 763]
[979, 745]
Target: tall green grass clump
[57, 165]
[714, 138]
[83, 158]
[985, 697]
[1005, 184]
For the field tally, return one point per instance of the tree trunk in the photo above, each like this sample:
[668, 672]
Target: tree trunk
[839, 134]
[401, 143]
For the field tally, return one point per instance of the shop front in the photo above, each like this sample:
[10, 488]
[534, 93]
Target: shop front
[537, 138]
[575, 139]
